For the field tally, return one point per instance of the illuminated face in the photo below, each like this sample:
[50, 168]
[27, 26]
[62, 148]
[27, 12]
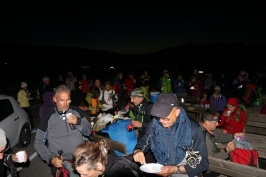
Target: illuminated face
[170, 119]
[84, 172]
[47, 81]
[231, 107]
[136, 100]
[62, 101]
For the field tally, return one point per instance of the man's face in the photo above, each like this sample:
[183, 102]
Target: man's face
[166, 74]
[170, 119]
[136, 100]
[211, 123]
[62, 101]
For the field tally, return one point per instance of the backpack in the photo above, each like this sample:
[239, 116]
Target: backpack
[244, 154]
[251, 94]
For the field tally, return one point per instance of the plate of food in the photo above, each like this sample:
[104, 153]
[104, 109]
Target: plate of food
[151, 167]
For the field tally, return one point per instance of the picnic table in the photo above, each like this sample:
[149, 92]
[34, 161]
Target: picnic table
[194, 111]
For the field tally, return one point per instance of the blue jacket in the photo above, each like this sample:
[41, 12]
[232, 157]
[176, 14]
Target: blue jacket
[166, 143]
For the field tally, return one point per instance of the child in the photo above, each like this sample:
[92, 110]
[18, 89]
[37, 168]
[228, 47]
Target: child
[204, 100]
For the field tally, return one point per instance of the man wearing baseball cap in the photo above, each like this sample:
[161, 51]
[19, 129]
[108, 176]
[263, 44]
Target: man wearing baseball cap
[8, 159]
[176, 141]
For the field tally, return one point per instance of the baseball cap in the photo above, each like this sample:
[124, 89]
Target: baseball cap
[164, 105]
[137, 92]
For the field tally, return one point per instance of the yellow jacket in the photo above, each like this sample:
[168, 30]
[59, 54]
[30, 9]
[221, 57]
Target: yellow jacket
[22, 99]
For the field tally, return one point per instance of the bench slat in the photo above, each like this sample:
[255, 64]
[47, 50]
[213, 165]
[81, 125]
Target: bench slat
[234, 169]
[257, 117]
[255, 130]
[257, 124]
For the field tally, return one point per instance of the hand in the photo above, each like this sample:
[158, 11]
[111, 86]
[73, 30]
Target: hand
[72, 119]
[139, 157]
[57, 161]
[167, 171]
[239, 134]
[15, 158]
[230, 147]
[224, 131]
[136, 124]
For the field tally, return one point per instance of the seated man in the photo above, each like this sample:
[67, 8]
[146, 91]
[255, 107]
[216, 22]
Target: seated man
[209, 122]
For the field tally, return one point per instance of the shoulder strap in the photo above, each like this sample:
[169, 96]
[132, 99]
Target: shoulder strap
[238, 113]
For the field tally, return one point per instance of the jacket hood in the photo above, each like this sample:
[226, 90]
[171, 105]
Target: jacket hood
[48, 98]
[233, 101]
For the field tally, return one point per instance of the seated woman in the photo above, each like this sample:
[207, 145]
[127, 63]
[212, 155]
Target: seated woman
[233, 118]
[92, 159]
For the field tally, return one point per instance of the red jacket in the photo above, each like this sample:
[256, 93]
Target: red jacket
[199, 87]
[129, 83]
[232, 124]
[85, 86]
[203, 102]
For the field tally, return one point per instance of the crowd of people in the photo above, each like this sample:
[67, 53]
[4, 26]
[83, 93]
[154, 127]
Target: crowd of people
[162, 130]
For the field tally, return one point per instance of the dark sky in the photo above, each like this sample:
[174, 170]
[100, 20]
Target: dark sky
[133, 27]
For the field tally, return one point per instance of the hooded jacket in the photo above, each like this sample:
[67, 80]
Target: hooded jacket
[236, 122]
[165, 84]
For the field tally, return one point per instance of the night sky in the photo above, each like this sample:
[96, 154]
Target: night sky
[133, 27]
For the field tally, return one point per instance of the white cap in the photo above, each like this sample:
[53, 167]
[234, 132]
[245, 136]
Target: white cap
[23, 84]
[2, 138]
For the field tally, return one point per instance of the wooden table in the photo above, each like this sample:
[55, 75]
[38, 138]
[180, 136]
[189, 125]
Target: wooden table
[196, 113]
[187, 98]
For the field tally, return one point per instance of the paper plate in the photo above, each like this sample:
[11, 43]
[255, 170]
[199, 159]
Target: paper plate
[191, 108]
[187, 104]
[151, 168]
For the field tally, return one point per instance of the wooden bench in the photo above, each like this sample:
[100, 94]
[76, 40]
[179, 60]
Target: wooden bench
[256, 123]
[234, 169]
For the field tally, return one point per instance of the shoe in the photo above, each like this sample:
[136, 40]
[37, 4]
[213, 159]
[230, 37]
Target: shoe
[34, 130]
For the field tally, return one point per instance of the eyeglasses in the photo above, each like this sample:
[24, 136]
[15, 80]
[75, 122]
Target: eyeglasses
[213, 119]
[166, 118]
[6, 149]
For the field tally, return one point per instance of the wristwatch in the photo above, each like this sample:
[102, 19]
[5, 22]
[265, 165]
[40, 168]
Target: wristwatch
[178, 170]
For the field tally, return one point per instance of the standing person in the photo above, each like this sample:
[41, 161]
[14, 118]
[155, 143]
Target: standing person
[129, 83]
[23, 99]
[60, 132]
[45, 86]
[196, 87]
[85, 85]
[180, 85]
[6, 158]
[60, 81]
[70, 81]
[141, 116]
[170, 134]
[166, 83]
[218, 99]
[209, 82]
[119, 89]
[108, 98]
